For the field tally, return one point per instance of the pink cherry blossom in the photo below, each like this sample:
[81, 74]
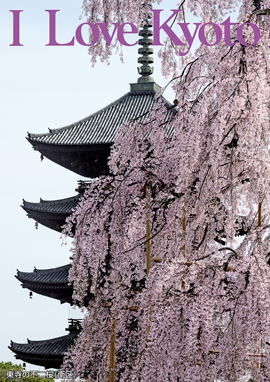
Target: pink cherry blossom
[206, 300]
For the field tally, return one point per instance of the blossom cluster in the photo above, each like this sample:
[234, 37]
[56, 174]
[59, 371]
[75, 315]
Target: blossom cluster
[200, 174]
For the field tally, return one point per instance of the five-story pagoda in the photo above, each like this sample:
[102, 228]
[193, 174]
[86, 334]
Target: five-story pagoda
[82, 147]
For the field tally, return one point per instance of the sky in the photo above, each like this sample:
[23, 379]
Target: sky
[43, 87]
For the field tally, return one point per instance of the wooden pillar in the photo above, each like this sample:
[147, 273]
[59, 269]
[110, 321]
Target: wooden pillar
[260, 215]
[148, 228]
[112, 350]
[184, 225]
[259, 351]
[148, 244]
[260, 238]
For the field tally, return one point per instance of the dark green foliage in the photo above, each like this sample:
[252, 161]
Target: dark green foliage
[5, 366]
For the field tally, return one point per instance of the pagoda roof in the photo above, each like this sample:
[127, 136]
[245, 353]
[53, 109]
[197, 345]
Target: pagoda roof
[55, 346]
[51, 282]
[101, 127]
[48, 353]
[51, 213]
[60, 206]
[57, 275]
[84, 146]
[48, 282]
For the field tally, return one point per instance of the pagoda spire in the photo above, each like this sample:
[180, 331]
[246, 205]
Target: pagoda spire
[145, 82]
[145, 70]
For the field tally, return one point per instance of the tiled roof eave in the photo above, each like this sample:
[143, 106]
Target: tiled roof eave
[55, 276]
[42, 342]
[45, 286]
[56, 269]
[47, 215]
[69, 147]
[53, 131]
[99, 128]
[52, 208]
[39, 358]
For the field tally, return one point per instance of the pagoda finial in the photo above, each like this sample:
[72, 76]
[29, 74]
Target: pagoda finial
[145, 82]
[145, 70]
